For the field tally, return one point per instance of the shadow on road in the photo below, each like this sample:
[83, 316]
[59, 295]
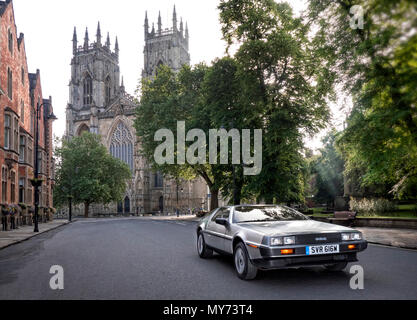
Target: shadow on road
[293, 275]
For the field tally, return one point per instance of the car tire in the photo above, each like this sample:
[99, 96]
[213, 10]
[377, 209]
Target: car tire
[203, 250]
[243, 266]
[336, 267]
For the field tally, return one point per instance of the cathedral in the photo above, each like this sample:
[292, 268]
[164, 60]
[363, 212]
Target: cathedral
[98, 103]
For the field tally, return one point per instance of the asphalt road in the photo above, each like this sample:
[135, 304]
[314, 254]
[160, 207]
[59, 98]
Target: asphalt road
[147, 259]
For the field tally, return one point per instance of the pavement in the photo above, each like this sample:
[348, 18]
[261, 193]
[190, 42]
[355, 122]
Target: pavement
[8, 238]
[156, 259]
[401, 238]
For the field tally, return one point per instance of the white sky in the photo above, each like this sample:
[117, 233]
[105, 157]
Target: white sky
[48, 27]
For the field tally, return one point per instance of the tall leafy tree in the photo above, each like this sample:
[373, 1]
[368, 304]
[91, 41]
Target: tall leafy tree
[287, 82]
[88, 173]
[204, 98]
[166, 100]
[377, 65]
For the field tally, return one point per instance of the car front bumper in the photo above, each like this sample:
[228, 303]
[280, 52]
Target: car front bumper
[271, 258]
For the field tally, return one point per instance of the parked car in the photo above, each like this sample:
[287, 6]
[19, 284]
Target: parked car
[274, 237]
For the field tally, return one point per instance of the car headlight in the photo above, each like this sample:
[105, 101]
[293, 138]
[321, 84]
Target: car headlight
[276, 241]
[352, 236]
[345, 236]
[288, 241]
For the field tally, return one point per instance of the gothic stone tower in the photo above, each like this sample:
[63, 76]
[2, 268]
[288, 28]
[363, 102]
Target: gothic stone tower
[98, 103]
[165, 46]
[95, 81]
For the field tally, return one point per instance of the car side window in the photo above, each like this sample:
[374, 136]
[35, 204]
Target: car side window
[223, 213]
[217, 215]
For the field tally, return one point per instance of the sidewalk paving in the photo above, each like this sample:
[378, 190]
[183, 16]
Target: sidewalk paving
[401, 238]
[8, 238]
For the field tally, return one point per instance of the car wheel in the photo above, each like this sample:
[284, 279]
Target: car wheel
[244, 268]
[336, 267]
[203, 251]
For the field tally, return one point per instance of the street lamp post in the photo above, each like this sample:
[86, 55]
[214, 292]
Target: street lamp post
[36, 182]
[182, 190]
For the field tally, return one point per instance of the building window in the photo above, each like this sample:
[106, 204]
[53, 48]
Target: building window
[30, 151]
[7, 131]
[16, 135]
[22, 189]
[9, 83]
[4, 184]
[108, 90]
[29, 194]
[10, 41]
[88, 90]
[159, 180]
[13, 186]
[121, 146]
[40, 162]
[23, 76]
[22, 149]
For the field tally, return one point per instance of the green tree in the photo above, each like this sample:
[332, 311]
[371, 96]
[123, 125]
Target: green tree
[286, 82]
[377, 65]
[88, 173]
[164, 101]
[205, 98]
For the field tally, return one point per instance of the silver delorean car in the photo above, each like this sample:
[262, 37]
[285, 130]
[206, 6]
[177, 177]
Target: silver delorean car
[275, 237]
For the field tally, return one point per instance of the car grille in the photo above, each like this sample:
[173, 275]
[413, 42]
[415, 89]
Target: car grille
[318, 238]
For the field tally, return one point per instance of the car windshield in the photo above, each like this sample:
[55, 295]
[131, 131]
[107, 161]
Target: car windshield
[267, 213]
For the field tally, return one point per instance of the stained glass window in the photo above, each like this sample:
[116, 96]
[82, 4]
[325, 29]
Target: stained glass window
[121, 146]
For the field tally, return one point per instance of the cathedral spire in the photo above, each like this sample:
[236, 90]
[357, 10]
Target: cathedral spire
[182, 27]
[187, 36]
[146, 25]
[108, 40]
[74, 41]
[122, 87]
[116, 47]
[174, 19]
[159, 23]
[86, 40]
[98, 34]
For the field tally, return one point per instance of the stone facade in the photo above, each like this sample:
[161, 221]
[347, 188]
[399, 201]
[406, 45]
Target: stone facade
[99, 104]
[20, 94]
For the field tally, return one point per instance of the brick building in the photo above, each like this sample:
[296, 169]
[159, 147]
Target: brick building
[20, 93]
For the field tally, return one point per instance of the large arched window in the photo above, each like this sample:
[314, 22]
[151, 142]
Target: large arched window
[108, 90]
[121, 146]
[88, 90]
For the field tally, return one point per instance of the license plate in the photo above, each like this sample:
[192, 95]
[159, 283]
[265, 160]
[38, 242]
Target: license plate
[324, 249]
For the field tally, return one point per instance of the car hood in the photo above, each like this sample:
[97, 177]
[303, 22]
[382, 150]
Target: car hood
[292, 227]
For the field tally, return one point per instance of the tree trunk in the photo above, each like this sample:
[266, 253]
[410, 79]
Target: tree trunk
[214, 201]
[86, 209]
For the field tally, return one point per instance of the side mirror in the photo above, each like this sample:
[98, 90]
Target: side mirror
[222, 221]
